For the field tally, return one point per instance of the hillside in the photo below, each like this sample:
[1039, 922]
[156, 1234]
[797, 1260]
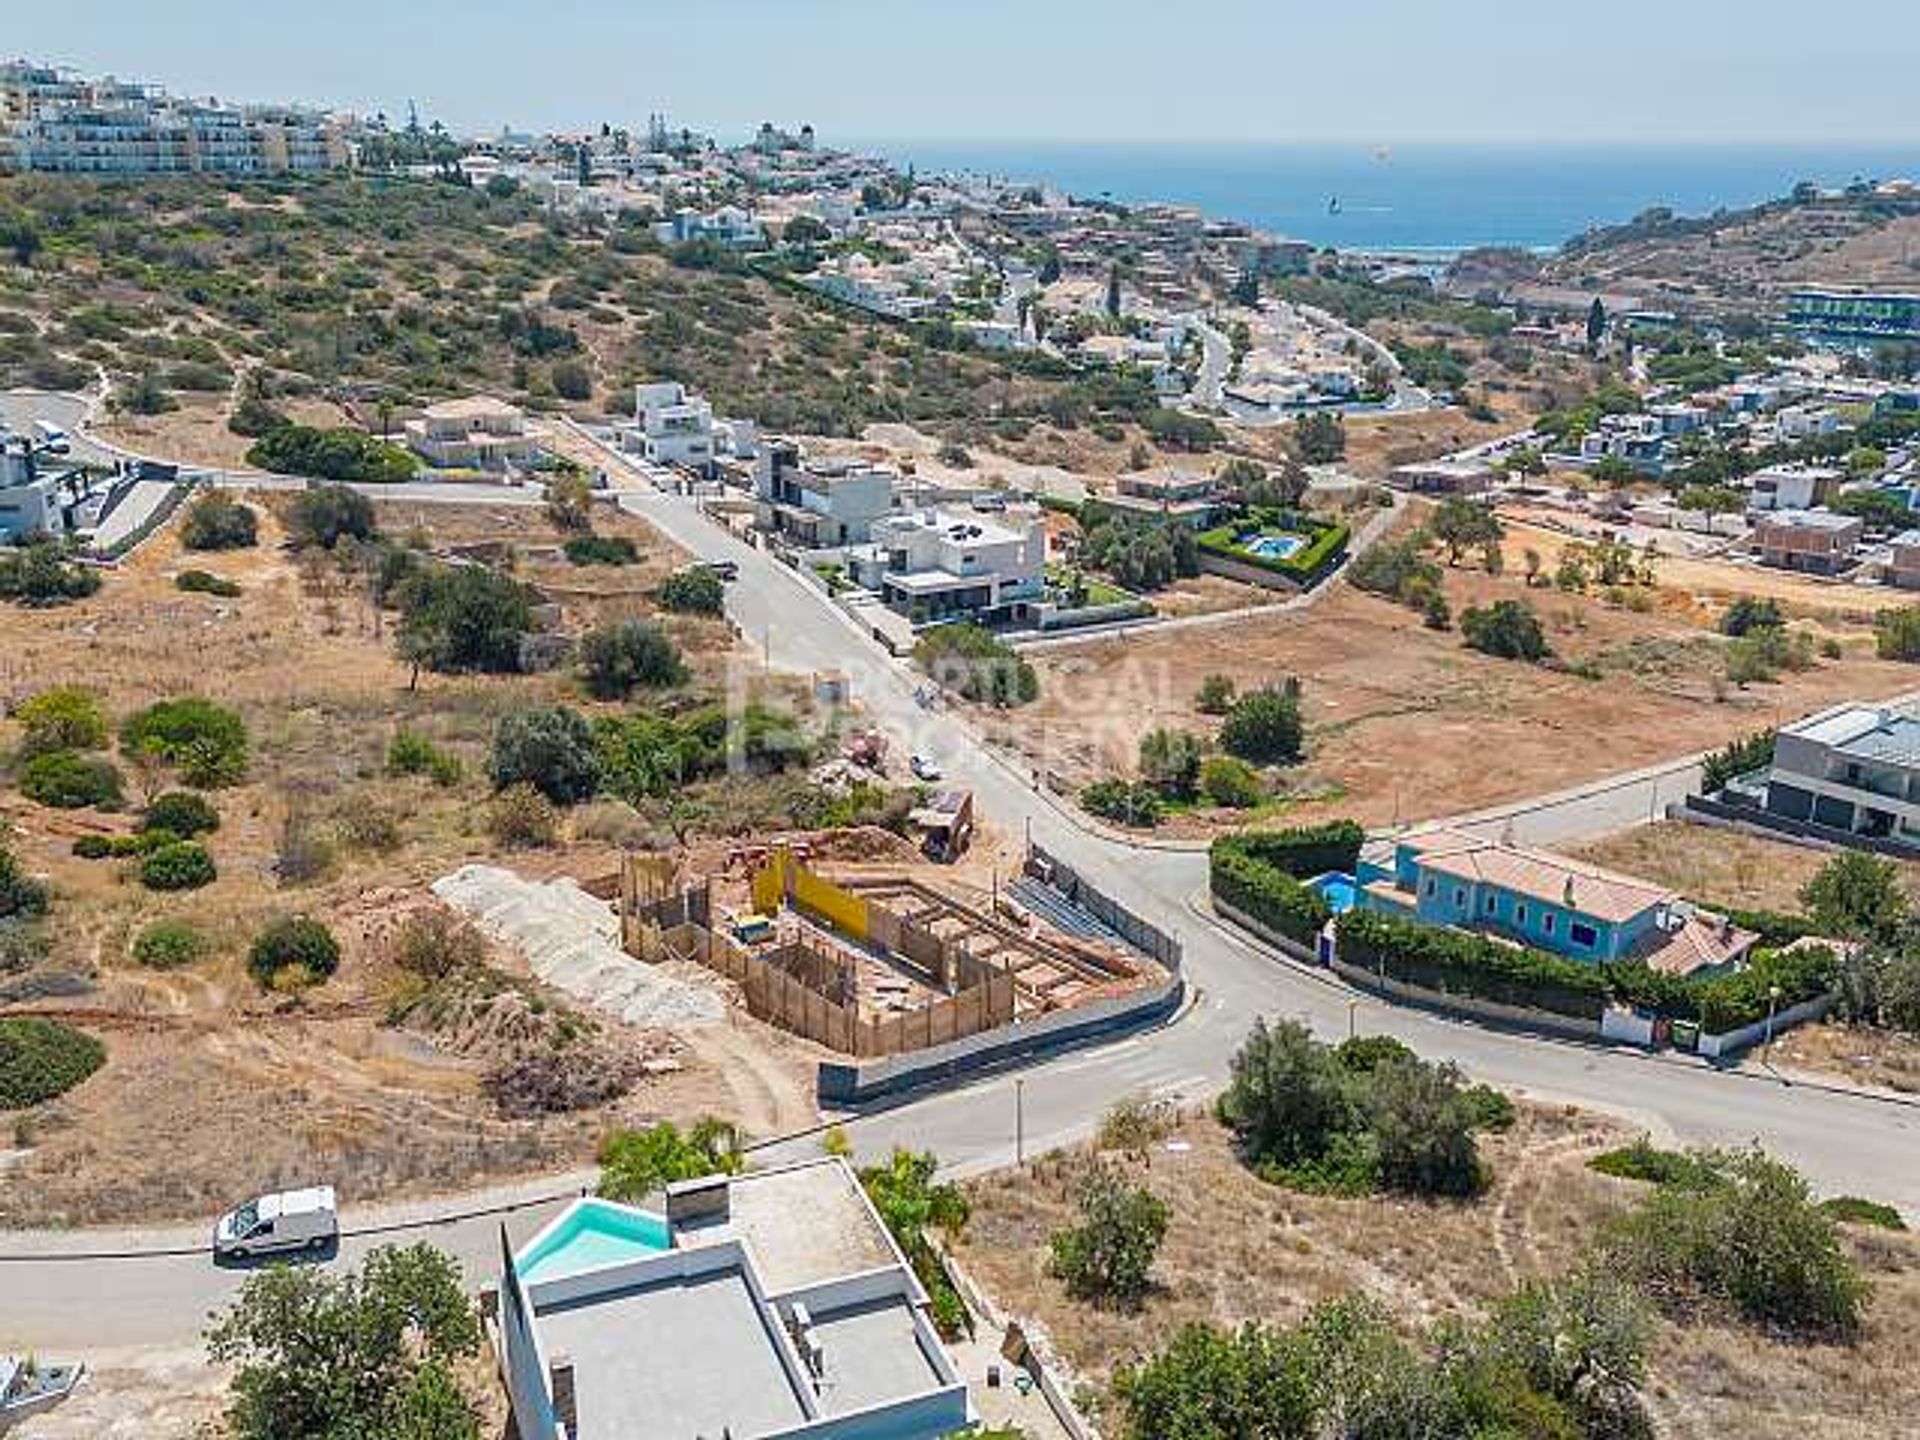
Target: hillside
[1731, 260]
[382, 292]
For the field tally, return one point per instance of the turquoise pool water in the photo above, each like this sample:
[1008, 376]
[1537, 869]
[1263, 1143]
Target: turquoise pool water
[594, 1235]
[1275, 547]
[1337, 890]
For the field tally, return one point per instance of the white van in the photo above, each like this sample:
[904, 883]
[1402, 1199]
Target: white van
[52, 438]
[275, 1224]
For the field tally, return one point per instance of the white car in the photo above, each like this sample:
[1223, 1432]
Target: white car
[924, 767]
[275, 1224]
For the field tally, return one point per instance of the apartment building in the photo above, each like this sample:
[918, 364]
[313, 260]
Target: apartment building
[1815, 542]
[54, 121]
[941, 564]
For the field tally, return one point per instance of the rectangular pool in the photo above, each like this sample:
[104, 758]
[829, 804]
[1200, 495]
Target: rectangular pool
[1274, 547]
[1336, 889]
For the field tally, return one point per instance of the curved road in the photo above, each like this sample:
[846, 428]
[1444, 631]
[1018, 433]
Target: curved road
[1847, 1142]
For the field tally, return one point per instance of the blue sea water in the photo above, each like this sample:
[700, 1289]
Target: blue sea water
[1420, 197]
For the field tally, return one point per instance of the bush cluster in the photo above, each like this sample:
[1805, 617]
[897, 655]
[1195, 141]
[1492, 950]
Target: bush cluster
[694, 591]
[182, 813]
[168, 945]
[293, 951]
[601, 550]
[216, 521]
[66, 780]
[967, 659]
[206, 742]
[177, 865]
[411, 753]
[331, 454]
[42, 1059]
[204, 582]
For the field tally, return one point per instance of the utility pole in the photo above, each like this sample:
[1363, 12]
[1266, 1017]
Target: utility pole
[1019, 1121]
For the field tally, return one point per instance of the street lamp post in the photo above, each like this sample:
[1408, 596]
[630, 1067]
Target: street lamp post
[1773, 1002]
[1352, 1005]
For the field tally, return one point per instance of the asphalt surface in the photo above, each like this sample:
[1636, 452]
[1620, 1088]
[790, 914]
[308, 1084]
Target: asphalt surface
[1846, 1142]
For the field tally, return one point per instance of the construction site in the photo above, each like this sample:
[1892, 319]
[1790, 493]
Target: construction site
[877, 964]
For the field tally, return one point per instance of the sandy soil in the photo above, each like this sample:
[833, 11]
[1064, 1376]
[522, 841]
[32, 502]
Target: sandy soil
[197, 433]
[1238, 1249]
[1406, 723]
[1720, 867]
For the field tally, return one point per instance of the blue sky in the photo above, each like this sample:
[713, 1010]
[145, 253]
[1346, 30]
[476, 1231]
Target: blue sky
[1373, 70]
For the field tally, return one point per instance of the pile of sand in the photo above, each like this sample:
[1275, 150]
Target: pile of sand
[572, 941]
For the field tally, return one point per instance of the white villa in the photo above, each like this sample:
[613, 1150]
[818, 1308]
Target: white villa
[478, 433]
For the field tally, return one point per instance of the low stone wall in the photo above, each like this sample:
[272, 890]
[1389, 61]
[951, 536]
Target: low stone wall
[1734, 1041]
[1265, 932]
[1248, 574]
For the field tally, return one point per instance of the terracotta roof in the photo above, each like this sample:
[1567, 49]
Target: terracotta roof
[1538, 875]
[1702, 943]
[474, 407]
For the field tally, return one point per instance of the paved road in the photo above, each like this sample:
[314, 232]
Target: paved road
[1846, 1142]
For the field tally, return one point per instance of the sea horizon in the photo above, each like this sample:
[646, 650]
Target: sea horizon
[1426, 197]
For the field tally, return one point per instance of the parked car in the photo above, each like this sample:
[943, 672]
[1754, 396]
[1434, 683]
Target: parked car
[924, 767]
[727, 570]
[275, 1224]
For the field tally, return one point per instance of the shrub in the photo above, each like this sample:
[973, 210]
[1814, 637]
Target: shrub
[694, 591]
[411, 753]
[179, 865]
[1264, 728]
[1265, 892]
[967, 659]
[1741, 756]
[1133, 1122]
[39, 574]
[41, 1060]
[636, 1163]
[216, 521]
[521, 818]
[1852, 1210]
[601, 550]
[1896, 633]
[619, 658]
[1231, 783]
[1507, 629]
[183, 813]
[20, 894]
[434, 944]
[336, 454]
[168, 945]
[67, 781]
[1170, 762]
[1129, 802]
[293, 941]
[1739, 1229]
[1215, 695]
[324, 515]
[65, 717]
[1421, 1122]
[550, 748]
[93, 847]
[1437, 958]
[1108, 1256]
[205, 741]
[1748, 613]
[202, 582]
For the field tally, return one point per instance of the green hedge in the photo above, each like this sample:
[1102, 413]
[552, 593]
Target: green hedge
[1261, 892]
[1322, 551]
[1304, 852]
[1435, 957]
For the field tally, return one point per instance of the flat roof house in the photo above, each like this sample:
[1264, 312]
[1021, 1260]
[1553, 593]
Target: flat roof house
[1568, 907]
[939, 564]
[1903, 566]
[1851, 771]
[1793, 487]
[820, 504]
[1184, 495]
[766, 1306]
[478, 433]
[1815, 542]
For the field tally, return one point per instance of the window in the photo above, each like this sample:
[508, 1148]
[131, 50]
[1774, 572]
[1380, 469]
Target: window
[1431, 887]
[1488, 903]
[1520, 914]
[1584, 936]
[1547, 923]
[1459, 898]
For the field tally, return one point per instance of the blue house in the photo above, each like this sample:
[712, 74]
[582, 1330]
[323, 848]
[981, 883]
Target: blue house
[1567, 907]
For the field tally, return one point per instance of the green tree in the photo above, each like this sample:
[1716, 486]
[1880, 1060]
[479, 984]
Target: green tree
[205, 742]
[1286, 1099]
[1422, 1125]
[63, 717]
[1108, 1257]
[1507, 628]
[1747, 613]
[1462, 525]
[1896, 633]
[1582, 1339]
[1113, 293]
[697, 590]
[911, 1203]
[216, 521]
[324, 515]
[1856, 896]
[1252, 1384]
[1230, 782]
[618, 658]
[570, 500]
[1215, 696]
[637, 1163]
[1265, 728]
[1320, 437]
[1170, 761]
[293, 941]
[66, 780]
[323, 1357]
[1596, 323]
[549, 747]
[463, 619]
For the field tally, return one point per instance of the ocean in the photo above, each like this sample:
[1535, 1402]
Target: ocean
[1421, 197]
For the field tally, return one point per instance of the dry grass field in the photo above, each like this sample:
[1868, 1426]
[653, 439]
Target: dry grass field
[1405, 723]
[1239, 1249]
[317, 1083]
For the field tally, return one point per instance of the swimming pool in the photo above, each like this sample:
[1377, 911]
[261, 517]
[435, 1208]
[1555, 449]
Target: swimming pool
[594, 1234]
[1336, 889]
[1274, 547]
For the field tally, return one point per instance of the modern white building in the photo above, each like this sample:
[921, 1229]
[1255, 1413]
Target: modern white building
[674, 427]
[478, 433]
[820, 504]
[937, 564]
[1853, 771]
[727, 226]
[772, 1305]
[1793, 487]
